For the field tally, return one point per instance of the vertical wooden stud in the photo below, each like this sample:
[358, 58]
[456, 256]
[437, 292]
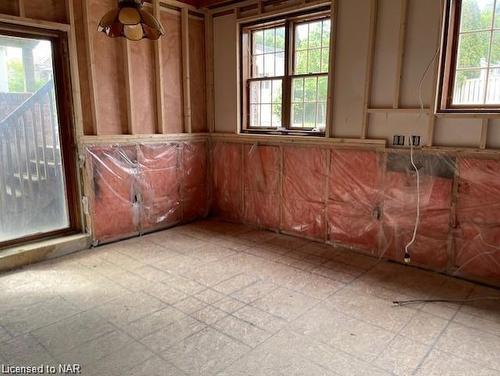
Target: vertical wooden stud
[160, 121]
[369, 66]
[331, 69]
[484, 133]
[90, 68]
[128, 86]
[22, 8]
[75, 79]
[185, 70]
[209, 70]
[401, 52]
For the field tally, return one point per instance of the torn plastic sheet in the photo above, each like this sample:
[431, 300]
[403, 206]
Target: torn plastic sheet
[366, 200]
[143, 187]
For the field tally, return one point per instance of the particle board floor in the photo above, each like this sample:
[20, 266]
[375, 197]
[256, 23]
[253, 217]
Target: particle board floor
[213, 298]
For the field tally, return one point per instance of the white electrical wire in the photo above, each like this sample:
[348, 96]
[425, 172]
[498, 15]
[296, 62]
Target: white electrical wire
[407, 257]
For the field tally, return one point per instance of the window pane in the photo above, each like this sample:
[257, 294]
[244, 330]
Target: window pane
[269, 40]
[276, 115]
[297, 115]
[301, 35]
[258, 66]
[469, 87]
[322, 88]
[314, 61]
[326, 34]
[476, 14]
[315, 36]
[493, 91]
[325, 59]
[258, 42]
[301, 62]
[265, 115]
[298, 90]
[497, 14]
[268, 65]
[32, 180]
[310, 89]
[473, 50]
[255, 92]
[254, 115]
[495, 49]
[266, 91]
[309, 115]
[277, 90]
[280, 39]
[321, 116]
[280, 64]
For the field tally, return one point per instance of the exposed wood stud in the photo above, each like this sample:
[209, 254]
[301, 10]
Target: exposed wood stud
[401, 52]
[22, 8]
[397, 110]
[160, 121]
[128, 86]
[209, 70]
[369, 65]
[90, 68]
[75, 78]
[185, 70]
[331, 69]
[484, 133]
[30, 22]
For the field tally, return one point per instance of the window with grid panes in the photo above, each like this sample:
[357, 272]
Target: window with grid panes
[470, 72]
[285, 74]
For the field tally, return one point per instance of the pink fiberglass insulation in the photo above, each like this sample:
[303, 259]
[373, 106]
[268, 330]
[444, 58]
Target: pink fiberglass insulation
[194, 181]
[354, 199]
[261, 182]
[304, 191]
[113, 205]
[158, 182]
[399, 210]
[477, 236]
[227, 180]
[143, 187]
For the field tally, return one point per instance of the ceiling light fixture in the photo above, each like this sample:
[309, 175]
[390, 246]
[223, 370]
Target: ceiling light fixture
[129, 20]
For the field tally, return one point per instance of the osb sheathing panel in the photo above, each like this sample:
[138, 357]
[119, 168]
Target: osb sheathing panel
[83, 71]
[261, 185]
[109, 74]
[143, 86]
[171, 60]
[48, 10]
[9, 7]
[197, 74]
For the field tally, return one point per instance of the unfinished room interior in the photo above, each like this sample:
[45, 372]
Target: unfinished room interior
[256, 187]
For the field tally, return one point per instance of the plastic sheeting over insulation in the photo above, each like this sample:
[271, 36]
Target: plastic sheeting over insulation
[140, 188]
[367, 200]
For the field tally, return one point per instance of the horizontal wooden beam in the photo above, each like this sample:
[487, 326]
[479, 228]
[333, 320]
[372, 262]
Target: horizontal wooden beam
[23, 21]
[142, 138]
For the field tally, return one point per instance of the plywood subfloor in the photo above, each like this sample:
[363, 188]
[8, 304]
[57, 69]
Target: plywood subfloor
[212, 298]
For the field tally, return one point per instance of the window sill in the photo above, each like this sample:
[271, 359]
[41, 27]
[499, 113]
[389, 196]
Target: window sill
[288, 132]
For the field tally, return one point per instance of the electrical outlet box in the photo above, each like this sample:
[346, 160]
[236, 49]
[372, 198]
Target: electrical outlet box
[398, 140]
[415, 140]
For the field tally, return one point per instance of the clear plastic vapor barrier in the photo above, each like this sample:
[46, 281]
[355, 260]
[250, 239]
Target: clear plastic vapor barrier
[144, 187]
[367, 200]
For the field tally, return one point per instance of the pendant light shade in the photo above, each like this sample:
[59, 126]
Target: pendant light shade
[130, 21]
